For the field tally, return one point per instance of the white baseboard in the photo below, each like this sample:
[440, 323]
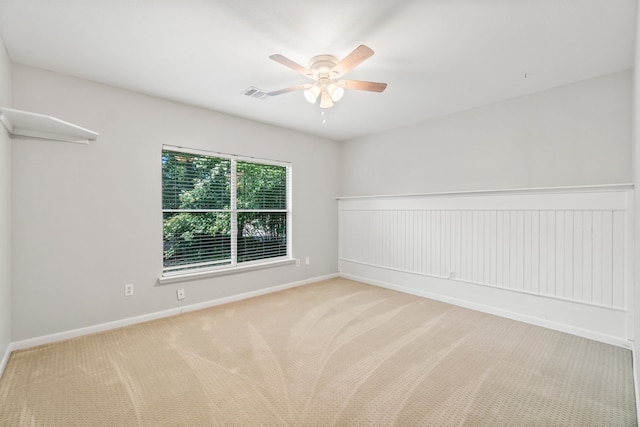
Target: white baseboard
[60, 336]
[5, 358]
[596, 336]
[636, 371]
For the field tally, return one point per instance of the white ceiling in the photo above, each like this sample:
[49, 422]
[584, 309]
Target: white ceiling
[438, 56]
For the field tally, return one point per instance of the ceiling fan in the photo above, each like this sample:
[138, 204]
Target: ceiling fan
[327, 71]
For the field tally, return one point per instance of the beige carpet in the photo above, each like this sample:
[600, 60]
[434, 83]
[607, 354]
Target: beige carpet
[334, 353]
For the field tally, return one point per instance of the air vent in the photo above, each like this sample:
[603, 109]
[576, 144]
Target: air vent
[254, 92]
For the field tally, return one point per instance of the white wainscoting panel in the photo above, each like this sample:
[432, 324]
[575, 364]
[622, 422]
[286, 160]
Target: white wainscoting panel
[567, 244]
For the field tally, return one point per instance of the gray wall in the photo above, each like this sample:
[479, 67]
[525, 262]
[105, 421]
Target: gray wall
[87, 219]
[5, 207]
[578, 134]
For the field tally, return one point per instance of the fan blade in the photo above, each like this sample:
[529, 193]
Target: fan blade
[290, 89]
[293, 65]
[358, 55]
[362, 85]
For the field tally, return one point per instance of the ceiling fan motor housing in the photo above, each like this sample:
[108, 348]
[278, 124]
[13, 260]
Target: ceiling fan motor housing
[321, 65]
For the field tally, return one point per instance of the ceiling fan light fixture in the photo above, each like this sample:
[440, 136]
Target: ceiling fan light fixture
[336, 92]
[325, 99]
[312, 93]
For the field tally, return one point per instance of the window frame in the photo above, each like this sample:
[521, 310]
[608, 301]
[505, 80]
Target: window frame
[234, 266]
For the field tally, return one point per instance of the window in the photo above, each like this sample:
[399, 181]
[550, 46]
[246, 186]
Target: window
[222, 211]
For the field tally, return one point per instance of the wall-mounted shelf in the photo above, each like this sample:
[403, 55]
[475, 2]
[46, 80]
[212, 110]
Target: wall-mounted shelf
[23, 123]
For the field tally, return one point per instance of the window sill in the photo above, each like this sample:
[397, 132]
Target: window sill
[223, 271]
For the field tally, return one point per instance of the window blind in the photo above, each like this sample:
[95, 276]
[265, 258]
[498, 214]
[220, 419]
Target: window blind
[262, 211]
[222, 211]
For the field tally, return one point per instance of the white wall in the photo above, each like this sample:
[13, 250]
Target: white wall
[578, 134]
[635, 326]
[87, 219]
[5, 209]
[574, 135]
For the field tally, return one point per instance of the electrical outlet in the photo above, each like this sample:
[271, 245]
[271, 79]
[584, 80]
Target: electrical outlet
[180, 293]
[307, 261]
[128, 289]
[297, 262]
[452, 275]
